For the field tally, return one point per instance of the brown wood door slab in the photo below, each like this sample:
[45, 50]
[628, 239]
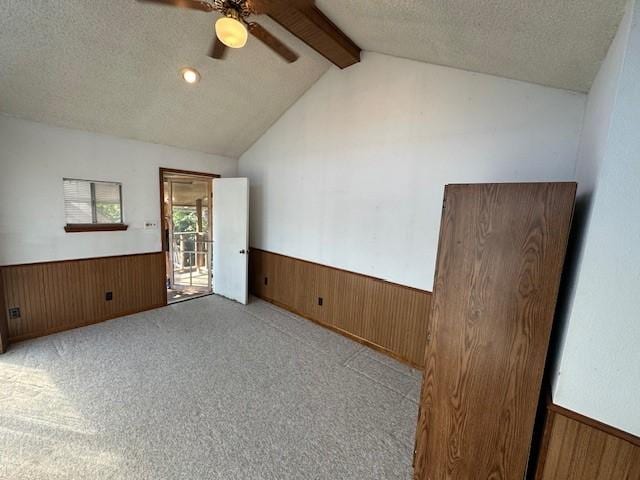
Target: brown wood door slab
[500, 259]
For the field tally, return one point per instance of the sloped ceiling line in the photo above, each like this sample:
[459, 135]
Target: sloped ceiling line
[113, 67]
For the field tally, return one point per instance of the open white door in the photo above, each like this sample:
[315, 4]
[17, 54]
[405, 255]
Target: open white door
[231, 238]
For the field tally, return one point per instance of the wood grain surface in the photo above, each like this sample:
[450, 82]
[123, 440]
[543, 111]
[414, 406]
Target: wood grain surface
[4, 326]
[313, 27]
[581, 449]
[57, 296]
[500, 259]
[389, 317]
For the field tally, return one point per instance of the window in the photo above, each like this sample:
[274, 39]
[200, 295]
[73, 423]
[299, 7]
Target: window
[92, 206]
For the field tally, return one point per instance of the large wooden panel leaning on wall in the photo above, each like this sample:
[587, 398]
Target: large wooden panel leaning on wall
[389, 317]
[56, 296]
[579, 448]
[500, 258]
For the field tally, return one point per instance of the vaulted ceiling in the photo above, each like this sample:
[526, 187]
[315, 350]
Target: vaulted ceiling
[558, 43]
[112, 66]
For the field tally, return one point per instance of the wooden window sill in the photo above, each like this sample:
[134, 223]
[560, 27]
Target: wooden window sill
[94, 227]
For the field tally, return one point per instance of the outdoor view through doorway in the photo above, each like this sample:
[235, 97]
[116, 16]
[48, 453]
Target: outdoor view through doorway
[187, 234]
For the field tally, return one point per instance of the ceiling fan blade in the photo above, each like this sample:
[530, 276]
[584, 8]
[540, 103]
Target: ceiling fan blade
[272, 42]
[218, 49]
[193, 4]
[267, 6]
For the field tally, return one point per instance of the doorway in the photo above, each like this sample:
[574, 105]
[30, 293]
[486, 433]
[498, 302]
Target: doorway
[187, 223]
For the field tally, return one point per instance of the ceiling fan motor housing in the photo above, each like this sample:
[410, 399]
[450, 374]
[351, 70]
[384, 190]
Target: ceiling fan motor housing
[234, 9]
[233, 13]
[301, 17]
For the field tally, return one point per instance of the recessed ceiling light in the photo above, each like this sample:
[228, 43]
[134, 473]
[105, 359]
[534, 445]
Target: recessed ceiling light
[190, 75]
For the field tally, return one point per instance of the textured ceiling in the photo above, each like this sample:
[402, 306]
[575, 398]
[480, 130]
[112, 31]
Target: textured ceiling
[558, 43]
[111, 66]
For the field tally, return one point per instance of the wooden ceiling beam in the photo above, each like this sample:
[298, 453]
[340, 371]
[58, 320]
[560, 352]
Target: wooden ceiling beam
[310, 25]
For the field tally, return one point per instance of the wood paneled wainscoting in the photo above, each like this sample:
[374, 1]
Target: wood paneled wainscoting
[576, 447]
[56, 296]
[389, 317]
[4, 326]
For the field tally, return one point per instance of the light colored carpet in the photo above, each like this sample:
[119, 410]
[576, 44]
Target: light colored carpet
[206, 389]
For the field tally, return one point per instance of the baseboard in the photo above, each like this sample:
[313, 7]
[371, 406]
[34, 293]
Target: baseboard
[61, 295]
[346, 334]
[386, 316]
[65, 328]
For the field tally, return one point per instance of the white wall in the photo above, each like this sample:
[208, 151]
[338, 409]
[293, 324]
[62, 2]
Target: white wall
[35, 157]
[599, 370]
[352, 175]
[597, 120]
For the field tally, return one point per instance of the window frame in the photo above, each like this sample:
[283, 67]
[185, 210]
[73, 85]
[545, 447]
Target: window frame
[94, 226]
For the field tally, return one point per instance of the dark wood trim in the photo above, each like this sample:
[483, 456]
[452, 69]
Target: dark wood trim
[4, 326]
[61, 295]
[603, 427]
[521, 184]
[537, 467]
[64, 328]
[94, 227]
[581, 448]
[344, 333]
[322, 21]
[163, 240]
[314, 28]
[337, 269]
[72, 260]
[162, 171]
[385, 316]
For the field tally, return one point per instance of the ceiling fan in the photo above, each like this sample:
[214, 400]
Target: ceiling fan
[300, 17]
[233, 28]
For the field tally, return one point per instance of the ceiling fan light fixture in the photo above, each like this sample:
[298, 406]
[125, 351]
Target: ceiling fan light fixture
[231, 31]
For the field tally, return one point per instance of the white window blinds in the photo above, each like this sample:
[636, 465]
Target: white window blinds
[91, 202]
[107, 201]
